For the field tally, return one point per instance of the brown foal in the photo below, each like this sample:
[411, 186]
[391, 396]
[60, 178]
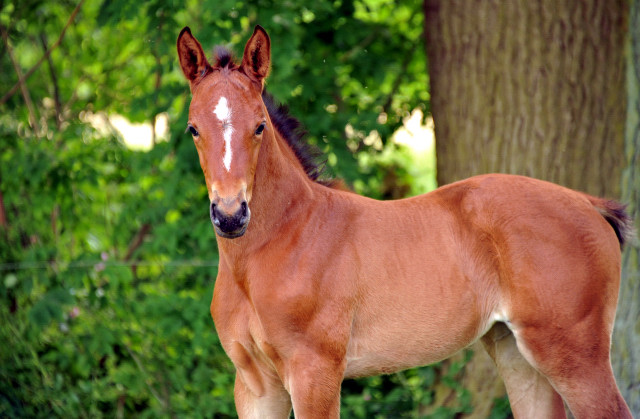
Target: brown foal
[317, 284]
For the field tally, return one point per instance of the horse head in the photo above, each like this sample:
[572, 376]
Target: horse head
[227, 119]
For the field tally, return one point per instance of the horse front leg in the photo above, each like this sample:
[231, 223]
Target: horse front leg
[273, 402]
[314, 383]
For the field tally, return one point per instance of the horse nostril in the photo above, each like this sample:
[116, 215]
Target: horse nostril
[213, 215]
[244, 208]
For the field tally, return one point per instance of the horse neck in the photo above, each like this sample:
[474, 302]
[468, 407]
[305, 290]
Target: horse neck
[281, 191]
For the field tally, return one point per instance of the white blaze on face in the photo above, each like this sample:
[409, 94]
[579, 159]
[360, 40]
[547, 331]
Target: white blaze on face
[223, 113]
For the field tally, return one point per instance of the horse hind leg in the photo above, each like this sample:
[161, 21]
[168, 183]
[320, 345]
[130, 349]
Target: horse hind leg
[576, 362]
[530, 393]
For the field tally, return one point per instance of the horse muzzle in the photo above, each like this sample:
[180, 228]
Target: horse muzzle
[230, 219]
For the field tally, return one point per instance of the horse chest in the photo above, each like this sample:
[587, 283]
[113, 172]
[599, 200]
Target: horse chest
[242, 336]
[234, 316]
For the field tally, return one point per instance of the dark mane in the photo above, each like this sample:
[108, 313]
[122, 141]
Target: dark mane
[289, 127]
[224, 58]
[293, 132]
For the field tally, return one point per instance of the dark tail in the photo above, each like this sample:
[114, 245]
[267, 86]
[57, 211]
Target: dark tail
[615, 214]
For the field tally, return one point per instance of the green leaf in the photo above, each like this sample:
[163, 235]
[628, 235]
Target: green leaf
[10, 280]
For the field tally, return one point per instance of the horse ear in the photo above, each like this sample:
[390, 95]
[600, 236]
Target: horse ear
[257, 55]
[192, 59]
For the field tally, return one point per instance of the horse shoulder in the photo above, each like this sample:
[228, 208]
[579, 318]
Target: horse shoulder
[298, 283]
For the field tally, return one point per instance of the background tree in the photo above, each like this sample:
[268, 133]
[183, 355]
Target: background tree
[533, 88]
[529, 87]
[626, 337]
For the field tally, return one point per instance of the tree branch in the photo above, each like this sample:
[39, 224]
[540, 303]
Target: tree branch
[33, 119]
[54, 80]
[44, 57]
[137, 240]
[360, 47]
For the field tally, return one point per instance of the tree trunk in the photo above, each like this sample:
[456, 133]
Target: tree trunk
[527, 87]
[625, 353]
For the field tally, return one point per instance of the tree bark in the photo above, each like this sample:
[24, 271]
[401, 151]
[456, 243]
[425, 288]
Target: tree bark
[535, 88]
[528, 87]
[625, 353]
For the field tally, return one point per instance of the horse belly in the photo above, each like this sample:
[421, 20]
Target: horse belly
[419, 331]
[398, 351]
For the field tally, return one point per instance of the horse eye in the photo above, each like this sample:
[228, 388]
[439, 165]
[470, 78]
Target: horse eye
[260, 128]
[192, 130]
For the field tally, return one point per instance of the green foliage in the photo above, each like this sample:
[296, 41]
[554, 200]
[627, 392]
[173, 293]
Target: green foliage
[501, 409]
[107, 258]
[408, 394]
[88, 336]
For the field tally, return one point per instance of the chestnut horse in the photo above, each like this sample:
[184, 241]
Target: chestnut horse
[317, 284]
